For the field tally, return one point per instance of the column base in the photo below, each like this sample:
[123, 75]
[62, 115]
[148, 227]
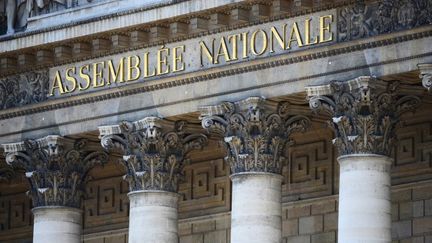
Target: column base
[54, 224]
[153, 217]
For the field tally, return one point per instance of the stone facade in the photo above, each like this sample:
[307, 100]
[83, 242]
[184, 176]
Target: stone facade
[216, 121]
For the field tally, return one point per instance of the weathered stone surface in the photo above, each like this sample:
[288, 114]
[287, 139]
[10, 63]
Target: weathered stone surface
[290, 227]
[330, 221]
[157, 213]
[256, 132]
[154, 150]
[311, 225]
[56, 168]
[298, 211]
[52, 224]
[299, 239]
[422, 225]
[365, 112]
[401, 229]
[329, 237]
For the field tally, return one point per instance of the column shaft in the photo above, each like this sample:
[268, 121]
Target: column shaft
[153, 217]
[57, 224]
[364, 199]
[256, 215]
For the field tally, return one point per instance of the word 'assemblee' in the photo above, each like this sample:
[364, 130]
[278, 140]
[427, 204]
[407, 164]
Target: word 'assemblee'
[165, 60]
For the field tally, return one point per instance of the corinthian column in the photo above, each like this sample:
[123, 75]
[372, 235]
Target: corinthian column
[56, 169]
[256, 132]
[365, 112]
[154, 153]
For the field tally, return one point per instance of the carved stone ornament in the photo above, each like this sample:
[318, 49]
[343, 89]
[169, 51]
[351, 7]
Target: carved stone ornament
[18, 12]
[23, 89]
[55, 167]
[364, 19]
[154, 150]
[6, 173]
[365, 112]
[426, 75]
[255, 130]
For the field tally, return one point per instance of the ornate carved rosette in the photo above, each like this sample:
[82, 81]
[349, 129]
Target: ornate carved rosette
[364, 111]
[426, 75]
[154, 150]
[55, 167]
[255, 131]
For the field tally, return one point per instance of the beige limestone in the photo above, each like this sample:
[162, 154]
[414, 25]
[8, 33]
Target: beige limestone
[153, 217]
[364, 199]
[57, 224]
[256, 215]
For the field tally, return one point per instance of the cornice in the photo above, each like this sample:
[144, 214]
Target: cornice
[85, 21]
[229, 27]
[230, 70]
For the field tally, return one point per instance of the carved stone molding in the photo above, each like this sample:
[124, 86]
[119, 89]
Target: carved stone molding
[365, 19]
[23, 89]
[154, 150]
[365, 112]
[55, 167]
[426, 75]
[256, 131]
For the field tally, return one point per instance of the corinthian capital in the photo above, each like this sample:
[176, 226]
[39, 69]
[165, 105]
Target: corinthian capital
[55, 167]
[426, 75]
[154, 150]
[256, 131]
[364, 111]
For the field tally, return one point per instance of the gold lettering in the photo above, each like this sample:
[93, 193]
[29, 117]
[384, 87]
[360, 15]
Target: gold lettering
[325, 28]
[146, 66]
[203, 47]
[233, 40]
[308, 33]
[114, 74]
[178, 59]
[98, 75]
[264, 42]
[71, 79]
[57, 84]
[244, 38]
[85, 77]
[222, 51]
[162, 60]
[131, 66]
[280, 40]
[295, 31]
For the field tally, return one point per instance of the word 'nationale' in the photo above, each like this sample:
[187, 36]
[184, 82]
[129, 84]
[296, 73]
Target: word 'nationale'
[164, 60]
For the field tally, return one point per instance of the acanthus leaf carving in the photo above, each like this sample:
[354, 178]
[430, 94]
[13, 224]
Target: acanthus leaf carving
[154, 151]
[365, 113]
[426, 75]
[255, 132]
[55, 167]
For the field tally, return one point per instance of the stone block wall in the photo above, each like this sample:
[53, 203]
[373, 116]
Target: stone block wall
[310, 221]
[208, 229]
[120, 237]
[313, 220]
[306, 221]
[412, 213]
